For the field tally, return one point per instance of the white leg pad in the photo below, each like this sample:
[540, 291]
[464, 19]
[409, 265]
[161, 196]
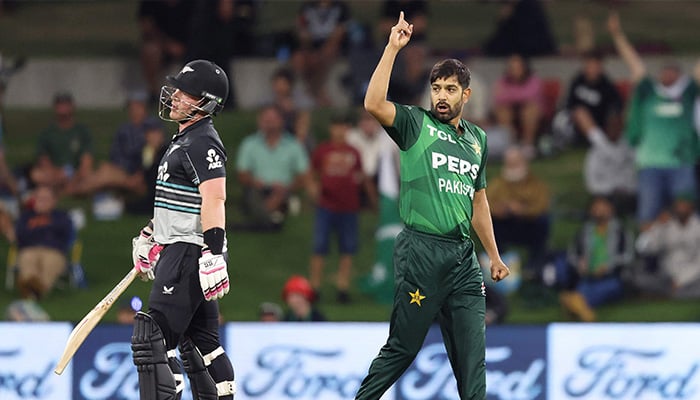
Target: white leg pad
[208, 358]
[226, 388]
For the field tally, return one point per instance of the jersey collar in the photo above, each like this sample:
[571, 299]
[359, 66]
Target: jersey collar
[205, 120]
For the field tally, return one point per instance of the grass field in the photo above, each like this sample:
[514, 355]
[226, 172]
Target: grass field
[260, 263]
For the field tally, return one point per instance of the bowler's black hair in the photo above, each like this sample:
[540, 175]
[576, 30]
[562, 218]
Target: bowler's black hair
[451, 67]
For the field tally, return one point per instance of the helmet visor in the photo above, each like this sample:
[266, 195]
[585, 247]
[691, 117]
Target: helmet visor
[178, 108]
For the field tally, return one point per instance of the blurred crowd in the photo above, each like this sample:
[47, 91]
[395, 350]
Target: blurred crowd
[640, 234]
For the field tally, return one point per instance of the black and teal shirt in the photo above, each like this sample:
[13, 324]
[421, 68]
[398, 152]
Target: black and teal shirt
[195, 155]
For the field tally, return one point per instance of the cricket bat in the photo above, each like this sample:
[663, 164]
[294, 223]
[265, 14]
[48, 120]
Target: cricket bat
[88, 323]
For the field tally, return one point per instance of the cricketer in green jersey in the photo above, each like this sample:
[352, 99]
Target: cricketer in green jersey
[443, 180]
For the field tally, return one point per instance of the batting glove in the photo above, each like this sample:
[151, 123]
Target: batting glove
[145, 253]
[213, 277]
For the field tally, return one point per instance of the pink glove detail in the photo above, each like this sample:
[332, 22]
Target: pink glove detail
[145, 255]
[213, 276]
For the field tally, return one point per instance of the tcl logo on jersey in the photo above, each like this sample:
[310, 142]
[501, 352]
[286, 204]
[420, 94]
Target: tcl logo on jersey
[440, 134]
[455, 164]
[213, 158]
[163, 174]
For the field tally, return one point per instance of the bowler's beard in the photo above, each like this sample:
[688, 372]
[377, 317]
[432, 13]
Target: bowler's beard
[448, 115]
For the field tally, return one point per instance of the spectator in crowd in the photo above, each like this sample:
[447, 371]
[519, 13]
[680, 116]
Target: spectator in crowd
[294, 104]
[362, 53]
[165, 30]
[609, 169]
[44, 235]
[64, 149]
[8, 183]
[321, 30]
[26, 310]
[272, 165]
[478, 111]
[7, 224]
[410, 74]
[155, 146]
[270, 312]
[9, 187]
[379, 282]
[339, 179]
[478, 107]
[673, 238]
[593, 97]
[603, 248]
[661, 126]
[221, 29]
[124, 169]
[517, 102]
[520, 206]
[298, 295]
[522, 27]
[367, 136]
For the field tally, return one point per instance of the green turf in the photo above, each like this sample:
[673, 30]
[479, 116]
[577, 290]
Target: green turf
[260, 263]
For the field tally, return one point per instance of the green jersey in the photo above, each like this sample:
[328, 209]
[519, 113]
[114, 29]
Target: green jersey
[661, 127]
[441, 170]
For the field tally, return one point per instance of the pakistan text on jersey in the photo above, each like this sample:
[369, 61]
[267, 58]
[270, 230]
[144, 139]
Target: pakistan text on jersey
[456, 187]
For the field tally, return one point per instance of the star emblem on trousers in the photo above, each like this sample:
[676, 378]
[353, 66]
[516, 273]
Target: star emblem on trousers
[416, 297]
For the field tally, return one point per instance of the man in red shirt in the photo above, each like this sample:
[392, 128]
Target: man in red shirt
[338, 175]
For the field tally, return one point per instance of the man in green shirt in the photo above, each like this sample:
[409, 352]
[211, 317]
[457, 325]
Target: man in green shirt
[662, 126]
[442, 195]
[64, 149]
[271, 165]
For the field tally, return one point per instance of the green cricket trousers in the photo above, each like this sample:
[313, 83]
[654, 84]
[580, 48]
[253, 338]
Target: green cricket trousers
[437, 278]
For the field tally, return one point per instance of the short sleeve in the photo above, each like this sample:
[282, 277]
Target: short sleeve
[480, 181]
[316, 158]
[244, 160]
[42, 144]
[85, 140]
[407, 125]
[207, 159]
[300, 163]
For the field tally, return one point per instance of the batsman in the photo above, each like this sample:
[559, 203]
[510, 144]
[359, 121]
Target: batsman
[442, 195]
[183, 249]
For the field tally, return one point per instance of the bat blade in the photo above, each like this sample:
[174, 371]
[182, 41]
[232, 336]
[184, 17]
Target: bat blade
[88, 323]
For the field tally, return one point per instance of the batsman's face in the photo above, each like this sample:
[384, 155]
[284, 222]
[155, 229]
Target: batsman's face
[447, 99]
[182, 105]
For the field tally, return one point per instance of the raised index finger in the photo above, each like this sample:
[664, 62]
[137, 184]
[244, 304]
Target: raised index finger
[401, 17]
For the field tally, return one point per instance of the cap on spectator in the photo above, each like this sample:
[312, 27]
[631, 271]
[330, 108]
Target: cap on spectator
[63, 96]
[270, 309]
[298, 284]
[687, 196]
